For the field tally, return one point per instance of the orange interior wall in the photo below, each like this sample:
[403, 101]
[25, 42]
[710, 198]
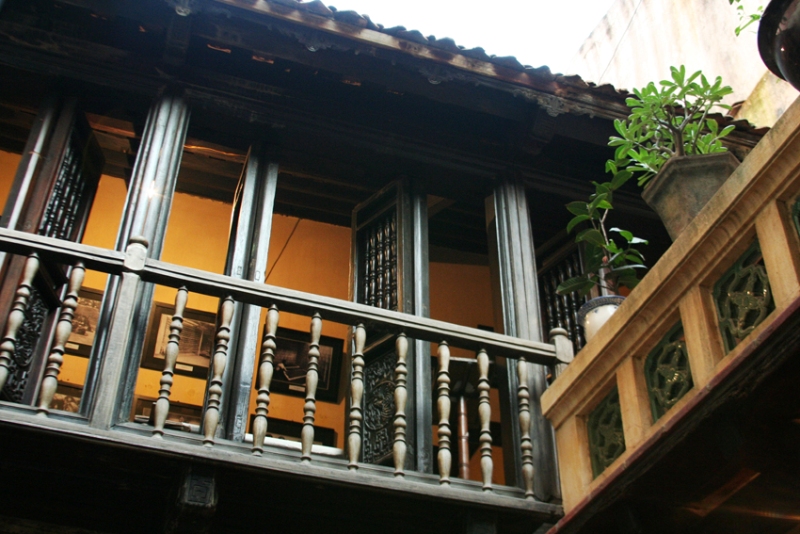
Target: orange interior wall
[316, 259]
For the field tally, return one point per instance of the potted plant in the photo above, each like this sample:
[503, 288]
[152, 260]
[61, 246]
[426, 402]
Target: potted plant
[609, 264]
[673, 145]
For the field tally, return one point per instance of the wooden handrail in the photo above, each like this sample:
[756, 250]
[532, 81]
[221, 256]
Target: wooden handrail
[287, 300]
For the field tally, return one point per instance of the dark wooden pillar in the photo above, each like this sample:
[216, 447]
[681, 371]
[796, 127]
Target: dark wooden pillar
[145, 217]
[251, 227]
[513, 265]
[422, 394]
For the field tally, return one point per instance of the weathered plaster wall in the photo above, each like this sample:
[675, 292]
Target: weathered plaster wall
[638, 40]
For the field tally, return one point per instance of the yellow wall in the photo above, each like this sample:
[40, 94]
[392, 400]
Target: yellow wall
[8, 166]
[316, 260]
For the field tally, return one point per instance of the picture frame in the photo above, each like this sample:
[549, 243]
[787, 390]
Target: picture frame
[84, 323]
[196, 345]
[67, 397]
[291, 365]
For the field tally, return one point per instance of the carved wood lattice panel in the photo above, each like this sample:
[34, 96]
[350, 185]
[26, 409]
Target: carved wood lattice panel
[27, 338]
[743, 297]
[61, 213]
[379, 281]
[379, 407]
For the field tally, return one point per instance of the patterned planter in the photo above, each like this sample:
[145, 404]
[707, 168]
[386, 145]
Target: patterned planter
[597, 312]
[684, 186]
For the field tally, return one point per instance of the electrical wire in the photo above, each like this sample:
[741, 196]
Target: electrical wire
[283, 249]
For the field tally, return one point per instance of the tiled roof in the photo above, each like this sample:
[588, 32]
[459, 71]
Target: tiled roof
[565, 84]
[317, 7]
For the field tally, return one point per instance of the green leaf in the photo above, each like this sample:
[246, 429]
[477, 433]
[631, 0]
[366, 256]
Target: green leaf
[578, 208]
[620, 178]
[624, 233]
[582, 284]
[576, 221]
[595, 203]
[593, 236]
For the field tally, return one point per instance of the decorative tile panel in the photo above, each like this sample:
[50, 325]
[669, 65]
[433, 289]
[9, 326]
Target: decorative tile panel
[743, 297]
[606, 438]
[667, 372]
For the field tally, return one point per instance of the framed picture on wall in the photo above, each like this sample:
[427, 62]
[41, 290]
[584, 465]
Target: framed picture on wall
[84, 324]
[196, 345]
[291, 365]
[67, 397]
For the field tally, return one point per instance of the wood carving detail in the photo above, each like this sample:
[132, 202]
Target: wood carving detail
[27, 338]
[379, 407]
[62, 209]
[379, 281]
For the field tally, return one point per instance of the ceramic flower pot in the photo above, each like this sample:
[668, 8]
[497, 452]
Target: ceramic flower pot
[684, 185]
[596, 312]
[779, 39]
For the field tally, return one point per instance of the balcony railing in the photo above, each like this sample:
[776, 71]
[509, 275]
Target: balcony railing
[103, 418]
[725, 284]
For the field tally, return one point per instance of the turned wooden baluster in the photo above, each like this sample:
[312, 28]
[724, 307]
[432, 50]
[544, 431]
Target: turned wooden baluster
[218, 363]
[485, 416]
[443, 403]
[17, 316]
[312, 377]
[170, 358]
[63, 331]
[356, 394]
[265, 370]
[371, 284]
[379, 265]
[387, 267]
[400, 396]
[525, 427]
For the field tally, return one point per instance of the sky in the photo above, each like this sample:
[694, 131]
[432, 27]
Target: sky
[536, 32]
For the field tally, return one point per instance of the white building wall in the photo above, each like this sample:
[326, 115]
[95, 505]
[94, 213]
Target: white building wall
[638, 40]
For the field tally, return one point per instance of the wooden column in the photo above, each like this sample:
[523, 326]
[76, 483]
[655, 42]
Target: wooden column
[145, 216]
[106, 408]
[516, 292]
[421, 434]
[247, 259]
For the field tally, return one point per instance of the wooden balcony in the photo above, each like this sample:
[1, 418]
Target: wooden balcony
[713, 323]
[110, 457]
